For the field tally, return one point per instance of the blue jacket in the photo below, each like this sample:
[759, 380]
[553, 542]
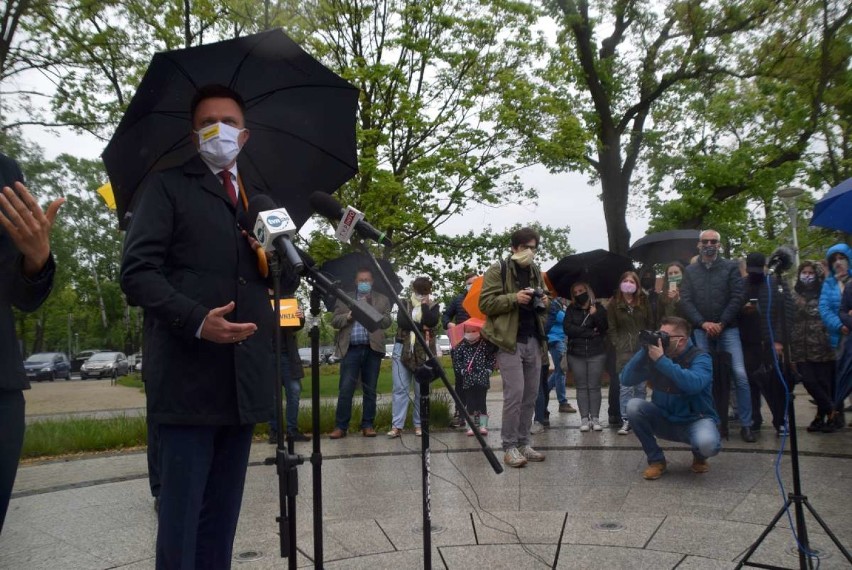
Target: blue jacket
[829, 297]
[553, 325]
[696, 382]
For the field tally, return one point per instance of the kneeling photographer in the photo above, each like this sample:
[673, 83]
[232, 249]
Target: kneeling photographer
[681, 407]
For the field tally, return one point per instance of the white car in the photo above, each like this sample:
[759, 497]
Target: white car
[443, 344]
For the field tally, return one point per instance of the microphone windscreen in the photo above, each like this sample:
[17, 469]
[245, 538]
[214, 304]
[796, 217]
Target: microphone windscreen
[325, 205]
[259, 203]
[782, 258]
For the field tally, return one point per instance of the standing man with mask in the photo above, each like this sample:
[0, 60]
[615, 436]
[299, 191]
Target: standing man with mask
[26, 277]
[711, 296]
[361, 353]
[209, 371]
[515, 307]
[681, 407]
[455, 314]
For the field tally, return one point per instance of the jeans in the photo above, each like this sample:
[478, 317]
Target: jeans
[402, 380]
[627, 393]
[363, 361]
[587, 377]
[729, 341]
[557, 379]
[649, 423]
[521, 372]
[292, 393]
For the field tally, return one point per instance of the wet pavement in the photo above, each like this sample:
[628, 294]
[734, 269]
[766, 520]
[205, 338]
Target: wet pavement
[586, 506]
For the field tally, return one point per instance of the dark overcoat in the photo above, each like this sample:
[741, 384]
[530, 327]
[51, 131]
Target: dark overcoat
[184, 255]
[16, 290]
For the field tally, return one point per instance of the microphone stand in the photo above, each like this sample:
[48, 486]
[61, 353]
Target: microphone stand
[795, 498]
[285, 460]
[424, 375]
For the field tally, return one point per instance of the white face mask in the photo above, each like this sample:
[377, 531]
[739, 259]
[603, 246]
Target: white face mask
[524, 258]
[218, 144]
[471, 336]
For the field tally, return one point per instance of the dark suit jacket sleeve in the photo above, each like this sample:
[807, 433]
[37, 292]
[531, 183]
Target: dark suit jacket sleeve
[146, 248]
[687, 305]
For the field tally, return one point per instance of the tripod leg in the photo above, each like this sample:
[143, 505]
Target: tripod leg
[828, 531]
[764, 534]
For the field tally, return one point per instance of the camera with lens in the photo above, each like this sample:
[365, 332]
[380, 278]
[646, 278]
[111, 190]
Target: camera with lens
[652, 337]
[537, 303]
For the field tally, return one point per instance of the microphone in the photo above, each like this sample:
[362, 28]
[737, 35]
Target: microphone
[781, 260]
[350, 219]
[274, 230]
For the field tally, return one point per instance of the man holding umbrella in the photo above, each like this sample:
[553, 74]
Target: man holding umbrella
[208, 370]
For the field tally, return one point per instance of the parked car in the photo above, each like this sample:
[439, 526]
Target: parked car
[105, 365]
[47, 366]
[388, 350]
[305, 355]
[327, 355]
[82, 357]
[443, 344]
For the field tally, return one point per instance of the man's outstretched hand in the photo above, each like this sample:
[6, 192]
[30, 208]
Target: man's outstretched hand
[218, 329]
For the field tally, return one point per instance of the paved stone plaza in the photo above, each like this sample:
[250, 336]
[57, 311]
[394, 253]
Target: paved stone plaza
[586, 506]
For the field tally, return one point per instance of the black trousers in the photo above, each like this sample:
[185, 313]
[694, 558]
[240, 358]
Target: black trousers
[476, 400]
[203, 471]
[154, 458]
[766, 384]
[614, 395]
[11, 442]
[818, 378]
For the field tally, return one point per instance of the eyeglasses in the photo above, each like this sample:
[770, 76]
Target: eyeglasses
[709, 241]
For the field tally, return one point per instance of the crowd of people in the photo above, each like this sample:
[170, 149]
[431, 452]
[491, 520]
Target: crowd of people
[208, 327]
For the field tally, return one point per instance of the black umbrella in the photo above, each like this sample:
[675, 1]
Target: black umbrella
[301, 117]
[663, 247]
[599, 268]
[344, 268]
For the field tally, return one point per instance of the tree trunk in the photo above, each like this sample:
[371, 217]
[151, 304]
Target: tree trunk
[614, 195]
[100, 297]
[38, 338]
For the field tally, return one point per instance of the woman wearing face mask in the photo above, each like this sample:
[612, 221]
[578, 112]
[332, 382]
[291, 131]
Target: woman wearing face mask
[473, 363]
[810, 348]
[585, 327]
[670, 296]
[628, 313]
[408, 355]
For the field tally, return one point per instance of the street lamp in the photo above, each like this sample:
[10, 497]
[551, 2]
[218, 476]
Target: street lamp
[789, 196]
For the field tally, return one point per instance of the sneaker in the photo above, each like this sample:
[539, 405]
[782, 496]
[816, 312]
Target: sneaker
[596, 425]
[470, 432]
[536, 428]
[394, 433]
[625, 429]
[585, 425]
[530, 453]
[781, 431]
[418, 432]
[700, 465]
[654, 470]
[514, 458]
[567, 408]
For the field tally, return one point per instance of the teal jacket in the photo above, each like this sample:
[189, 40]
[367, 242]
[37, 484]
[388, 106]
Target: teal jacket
[696, 383]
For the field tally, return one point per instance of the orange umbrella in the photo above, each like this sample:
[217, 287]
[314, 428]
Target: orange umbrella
[471, 300]
[456, 333]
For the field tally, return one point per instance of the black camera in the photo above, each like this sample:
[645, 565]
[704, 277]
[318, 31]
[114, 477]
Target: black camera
[652, 337]
[537, 303]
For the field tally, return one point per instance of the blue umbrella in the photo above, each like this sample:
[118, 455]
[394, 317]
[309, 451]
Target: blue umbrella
[834, 210]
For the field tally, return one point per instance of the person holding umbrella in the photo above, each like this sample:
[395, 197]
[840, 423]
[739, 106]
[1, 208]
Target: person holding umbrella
[208, 372]
[585, 327]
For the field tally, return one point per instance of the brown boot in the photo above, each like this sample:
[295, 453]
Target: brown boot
[654, 470]
[337, 433]
[700, 465]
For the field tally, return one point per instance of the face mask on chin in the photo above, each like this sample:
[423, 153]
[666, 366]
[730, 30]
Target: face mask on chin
[523, 258]
[219, 144]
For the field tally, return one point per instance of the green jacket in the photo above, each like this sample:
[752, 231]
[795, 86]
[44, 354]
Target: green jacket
[624, 325]
[499, 302]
